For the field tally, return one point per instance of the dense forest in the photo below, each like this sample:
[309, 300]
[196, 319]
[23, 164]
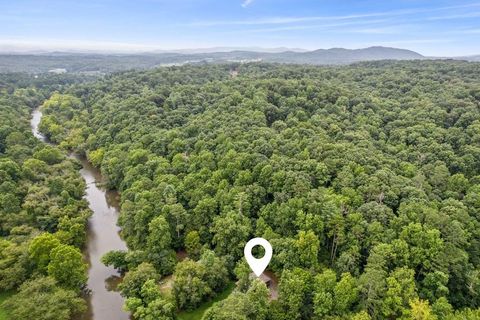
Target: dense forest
[364, 178]
[42, 214]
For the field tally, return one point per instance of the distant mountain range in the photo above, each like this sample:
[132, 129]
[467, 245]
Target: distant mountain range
[470, 58]
[104, 63]
[344, 56]
[228, 49]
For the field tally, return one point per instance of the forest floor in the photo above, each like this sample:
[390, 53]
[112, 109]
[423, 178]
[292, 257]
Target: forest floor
[3, 296]
[198, 313]
[166, 284]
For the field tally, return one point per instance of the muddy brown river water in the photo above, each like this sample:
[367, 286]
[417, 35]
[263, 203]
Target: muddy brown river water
[104, 303]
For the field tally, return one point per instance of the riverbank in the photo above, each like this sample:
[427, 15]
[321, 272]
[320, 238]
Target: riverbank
[103, 235]
[104, 303]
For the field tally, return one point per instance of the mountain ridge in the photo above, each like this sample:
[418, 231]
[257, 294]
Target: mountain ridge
[105, 63]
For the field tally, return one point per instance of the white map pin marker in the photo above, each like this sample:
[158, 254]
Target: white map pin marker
[258, 265]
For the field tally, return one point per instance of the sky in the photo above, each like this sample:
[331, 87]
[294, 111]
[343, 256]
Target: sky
[433, 28]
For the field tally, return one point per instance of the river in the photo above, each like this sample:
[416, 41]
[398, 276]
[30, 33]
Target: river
[104, 303]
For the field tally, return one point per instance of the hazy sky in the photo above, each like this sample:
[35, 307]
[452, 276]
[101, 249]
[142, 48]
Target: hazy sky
[441, 28]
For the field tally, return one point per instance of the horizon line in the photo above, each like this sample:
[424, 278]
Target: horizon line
[22, 48]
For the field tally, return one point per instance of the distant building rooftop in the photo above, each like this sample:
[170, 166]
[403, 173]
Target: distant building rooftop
[270, 280]
[58, 70]
[266, 279]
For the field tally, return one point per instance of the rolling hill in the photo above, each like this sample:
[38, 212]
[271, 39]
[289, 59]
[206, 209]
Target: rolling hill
[104, 63]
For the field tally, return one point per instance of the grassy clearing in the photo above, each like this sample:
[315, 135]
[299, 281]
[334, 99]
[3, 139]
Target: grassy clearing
[3, 296]
[198, 313]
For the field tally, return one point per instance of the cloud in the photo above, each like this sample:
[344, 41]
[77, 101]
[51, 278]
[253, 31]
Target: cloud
[282, 20]
[382, 30]
[466, 31]
[414, 41]
[48, 44]
[246, 3]
[456, 16]
[311, 26]
[292, 20]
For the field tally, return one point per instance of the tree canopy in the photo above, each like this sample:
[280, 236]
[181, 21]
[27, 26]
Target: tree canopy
[364, 178]
[42, 214]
